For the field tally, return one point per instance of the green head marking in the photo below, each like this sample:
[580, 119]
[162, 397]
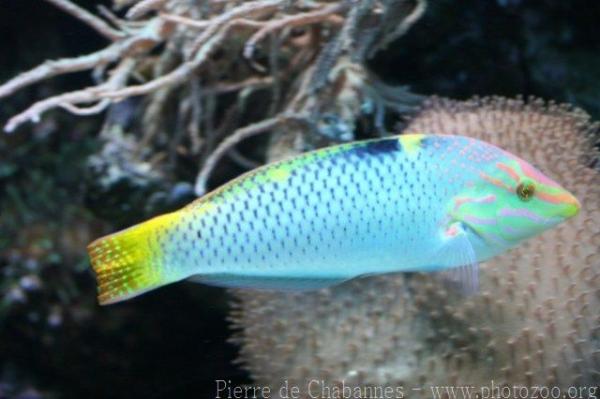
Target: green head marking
[512, 201]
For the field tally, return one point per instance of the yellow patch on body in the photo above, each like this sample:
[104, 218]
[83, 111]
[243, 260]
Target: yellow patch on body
[411, 143]
[279, 174]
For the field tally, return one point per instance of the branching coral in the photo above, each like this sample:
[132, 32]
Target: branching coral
[534, 322]
[303, 59]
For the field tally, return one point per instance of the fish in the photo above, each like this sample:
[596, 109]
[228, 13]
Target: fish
[408, 203]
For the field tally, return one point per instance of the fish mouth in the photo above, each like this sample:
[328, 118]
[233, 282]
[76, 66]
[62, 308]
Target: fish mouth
[571, 207]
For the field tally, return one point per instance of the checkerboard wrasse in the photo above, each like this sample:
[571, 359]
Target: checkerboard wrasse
[410, 203]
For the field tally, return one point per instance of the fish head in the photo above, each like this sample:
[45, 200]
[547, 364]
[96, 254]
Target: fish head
[511, 200]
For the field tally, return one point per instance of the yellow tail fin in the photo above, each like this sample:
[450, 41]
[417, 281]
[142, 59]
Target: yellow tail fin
[130, 262]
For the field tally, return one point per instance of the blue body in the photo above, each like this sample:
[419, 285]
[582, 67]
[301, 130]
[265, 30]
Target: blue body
[363, 208]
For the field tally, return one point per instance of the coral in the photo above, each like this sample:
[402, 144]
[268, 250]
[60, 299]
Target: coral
[201, 64]
[534, 321]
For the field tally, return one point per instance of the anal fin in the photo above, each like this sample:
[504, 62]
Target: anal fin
[458, 250]
[294, 284]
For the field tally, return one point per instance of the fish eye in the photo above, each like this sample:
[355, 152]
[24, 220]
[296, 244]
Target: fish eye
[525, 191]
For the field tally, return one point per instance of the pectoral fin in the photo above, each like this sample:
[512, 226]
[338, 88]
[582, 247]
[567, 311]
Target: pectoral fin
[458, 250]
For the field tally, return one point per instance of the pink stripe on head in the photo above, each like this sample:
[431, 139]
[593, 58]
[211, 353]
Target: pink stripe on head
[478, 220]
[524, 213]
[458, 202]
[509, 171]
[488, 199]
[495, 182]
[536, 175]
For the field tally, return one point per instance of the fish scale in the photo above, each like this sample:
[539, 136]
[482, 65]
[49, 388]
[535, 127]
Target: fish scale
[351, 218]
[407, 203]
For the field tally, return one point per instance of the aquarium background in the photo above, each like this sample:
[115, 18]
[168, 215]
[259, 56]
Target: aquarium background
[55, 341]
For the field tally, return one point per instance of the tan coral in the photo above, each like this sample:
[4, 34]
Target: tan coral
[534, 322]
